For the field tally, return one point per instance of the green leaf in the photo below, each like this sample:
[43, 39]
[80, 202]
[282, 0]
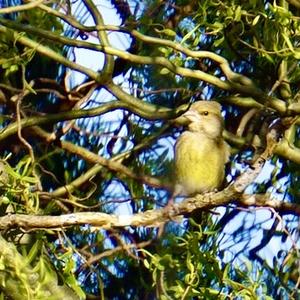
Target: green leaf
[238, 13]
[168, 32]
[255, 20]
[164, 50]
[219, 41]
[146, 263]
[190, 34]
[164, 71]
[34, 250]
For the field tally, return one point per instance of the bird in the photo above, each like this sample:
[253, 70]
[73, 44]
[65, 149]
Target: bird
[201, 152]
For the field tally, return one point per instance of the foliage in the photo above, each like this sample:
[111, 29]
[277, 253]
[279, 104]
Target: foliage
[89, 127]
[193, 269]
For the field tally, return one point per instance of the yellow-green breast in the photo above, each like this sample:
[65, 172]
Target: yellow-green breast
[199, 163]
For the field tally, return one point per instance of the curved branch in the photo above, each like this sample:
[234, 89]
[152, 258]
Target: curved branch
[110, 164]
[76, 183]
[143, 109]
[103, 39]
[161, 61]
[17, 8]
[52, 118]
[49, 53]
[235, 82]
[288, 151]
[150, 218]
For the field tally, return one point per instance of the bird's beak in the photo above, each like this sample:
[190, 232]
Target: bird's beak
[187, 118]
[191, 116]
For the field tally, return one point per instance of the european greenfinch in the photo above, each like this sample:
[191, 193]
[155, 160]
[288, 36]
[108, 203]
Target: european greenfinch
[201, 151]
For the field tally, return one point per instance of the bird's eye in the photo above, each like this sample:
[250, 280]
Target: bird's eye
[205, 113]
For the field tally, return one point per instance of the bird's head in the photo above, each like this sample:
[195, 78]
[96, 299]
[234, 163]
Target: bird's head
[205, 117]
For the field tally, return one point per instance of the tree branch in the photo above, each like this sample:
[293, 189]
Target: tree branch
[156, 217]
[235, 82]
[150, 218]
[149, 111]
[103, 40]
[76, 183]
[17, 8]
[266, 201]
[110, 164]
[48, 52]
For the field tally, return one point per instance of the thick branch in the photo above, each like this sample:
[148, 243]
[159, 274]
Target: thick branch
[150, 218]
[288, 151]
[155, 217]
